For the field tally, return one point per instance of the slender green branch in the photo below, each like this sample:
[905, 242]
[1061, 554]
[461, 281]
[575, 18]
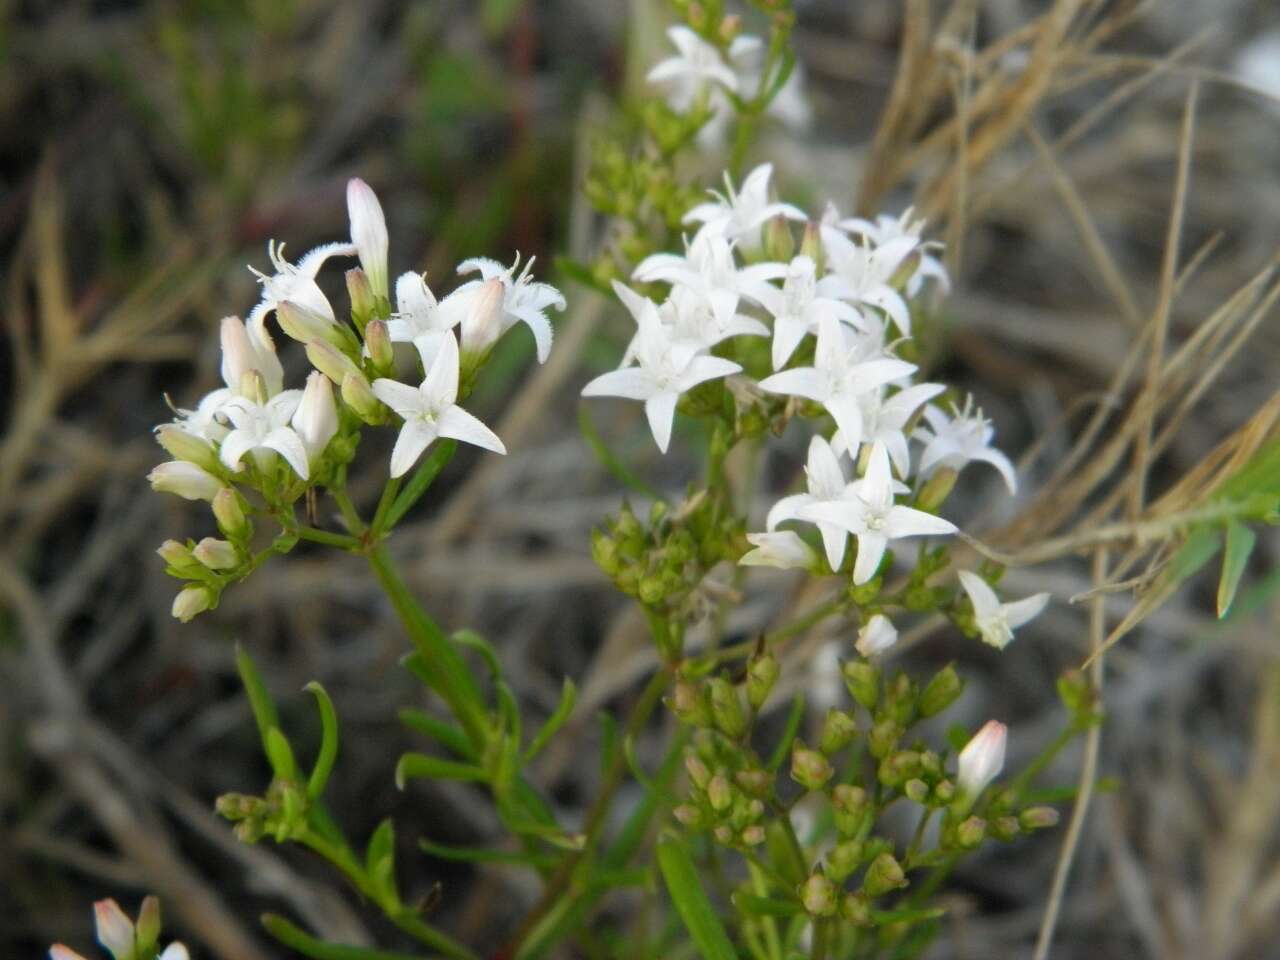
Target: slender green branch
[340, 540]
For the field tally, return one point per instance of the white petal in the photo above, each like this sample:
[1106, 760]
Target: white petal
[415, 436]
[311, 262]
[847, 413]
[234, 446]
[800, 382]
[538, 323]
[784, 550]
[787, 334]
[633, 383]
[175, 951]
[1021, 611]
[702, 369]
[460, 425]
[289, 445]
[413, 296]
[826, 479]
[1001, 463]
[400, 397]
[787, 509]
[660, 408]
[440, 388]
[909, 522]
[985, 602]
[834, 539]
[488, 268]
[876, 486]
[871, 547]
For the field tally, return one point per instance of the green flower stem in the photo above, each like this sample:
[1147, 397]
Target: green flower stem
[773, 943]
[450, 676]
[341, 856]
[340, 540]
[821, 933]
[343, 499]
[384, 505]
[1033, 769]
[562, 885]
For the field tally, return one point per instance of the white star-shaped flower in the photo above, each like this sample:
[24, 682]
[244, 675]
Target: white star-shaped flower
[860, 274]
[296, 282]
[885, 228]
[798, 310]
[884, 419]
[263, 429]
[431, 410]
[660, 376]
[524, 299]
[996, 621]
[694, 325]
[708, 267]
[954, 442]
[423, 320]
[871, 515]
[826, 484]
[739, 215]
[203, 421]
[839, 377]
[694, 69]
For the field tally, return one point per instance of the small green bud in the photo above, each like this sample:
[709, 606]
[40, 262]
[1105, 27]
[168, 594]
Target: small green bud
[930, 764]
[332, 362]
[897, 768]
[363, 303]
[753, 836]
[1038, 818]
[809, 768]
[811, 244]
[723, 834]
[147, 929]
[216, 554]
[916, 790]
[944, 791]
[900, 699]
[604, 551]
[762, 674]
[1005, 828]
[719, 793]
[359, 396]
[883, 738]
[378, 341]
[970, 832]
[818, 894]
[855, 909]
[689, 704]
[883, 876]
[863, 681]
[726, 708]
[228, 511]
[1075, 692]
[192, 600]
[849, 806]
[838, 731]
[182, 445]
[754, 782]
[941, 691]
[237, 806]
[652, 590]
[936, 490]
[178, 556]
[843, 860]
[304, 324]
[779, 242]
[689, 815]
[699, 775]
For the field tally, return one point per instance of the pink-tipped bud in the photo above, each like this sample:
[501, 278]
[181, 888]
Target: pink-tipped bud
[368, 233]
[482, 325]
[115, 929]
[216, 554]
[982, 759]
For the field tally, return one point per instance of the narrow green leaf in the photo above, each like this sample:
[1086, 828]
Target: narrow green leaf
[474, 855]
[421, 480]
[906, 916]
[328, 741]
[380, 860]
[264, 708]
[419, 766]
[309, 946]
[1240, 543]
[568, 698]
[444, 733]
[474, 641]
[280, 754]
[685, 887]
[783, 748]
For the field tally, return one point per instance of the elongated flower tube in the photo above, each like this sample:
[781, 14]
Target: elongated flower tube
[982, 759]
[316, 419]
[368, 233]
[186, 479]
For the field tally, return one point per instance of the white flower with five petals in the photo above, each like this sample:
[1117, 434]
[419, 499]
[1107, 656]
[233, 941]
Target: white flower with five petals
[884, 419]
[826, 484]
[885, 228]
[660, 376]
[871, 515]
[860, 274]
[431, 410]
[524, 299]
[798, 310]
[996, 621]
[296, 282]
[739, 215]
[263, 429]
[693, 325]
[954, 442]
[696, 67]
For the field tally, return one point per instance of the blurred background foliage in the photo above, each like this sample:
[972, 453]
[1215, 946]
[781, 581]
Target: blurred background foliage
[148, 152]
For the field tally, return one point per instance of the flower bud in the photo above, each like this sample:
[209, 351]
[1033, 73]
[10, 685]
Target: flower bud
[897, 768]
[855, 910]
[216, 554]
[779, 242]
[362, 299]
[689, 704]
[228, 511]
[811, 243]
[331, 361]
[726, 708]
[940, 692]
[900, 699]
[849, 805]
[916, 790]
[719, 793]
[818, 894]
[368, 233]
[944, 791]
[192, 600]
[838, 731]
[981, 760]
[762, 674]
[305, 325]
[809, 768]
[699, 774]
[723, 834]
[876, 636]
[1075, 692]
[754, 782]
[782, 549]
[843, 860]
[883, 876]
[254, 387]
[970, 832]
[1004, 828]
[863, 681]
[178, 557]
[115, 929]
[378, 342]
[753, 836]
[905, 270]
[936, 490]
[184, 445]
[604, 551]
[883, 738]
[1038, 818]
[316, 419]
[249, 350]
[185, 479]
[688, 814]
[147, 929]
[358, 395]
[482, 324]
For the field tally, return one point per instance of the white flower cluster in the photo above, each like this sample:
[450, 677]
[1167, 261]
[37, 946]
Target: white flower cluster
[851, 290]
[253, 433]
